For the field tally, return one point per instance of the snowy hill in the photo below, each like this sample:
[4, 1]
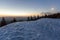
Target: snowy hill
[42, 29]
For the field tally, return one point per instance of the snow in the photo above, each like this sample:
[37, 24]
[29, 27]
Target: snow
[42, 29]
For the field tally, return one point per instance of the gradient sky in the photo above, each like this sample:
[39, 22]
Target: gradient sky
[28, 6]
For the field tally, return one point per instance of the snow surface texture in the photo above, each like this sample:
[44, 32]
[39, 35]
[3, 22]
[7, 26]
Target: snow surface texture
[42, 29]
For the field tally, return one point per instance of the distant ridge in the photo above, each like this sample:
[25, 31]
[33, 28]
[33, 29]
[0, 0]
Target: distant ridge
[55, 15]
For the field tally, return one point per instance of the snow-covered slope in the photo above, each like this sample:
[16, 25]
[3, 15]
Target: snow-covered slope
[42, 29]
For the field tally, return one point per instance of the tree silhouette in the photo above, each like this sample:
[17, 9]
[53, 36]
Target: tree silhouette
[45, 16]
[31, 18]
[35, 18]
[3, 22]
[14, 20]
[28, 19]
[38, 17]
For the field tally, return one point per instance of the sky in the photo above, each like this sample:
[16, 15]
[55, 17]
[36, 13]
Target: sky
[25, 7]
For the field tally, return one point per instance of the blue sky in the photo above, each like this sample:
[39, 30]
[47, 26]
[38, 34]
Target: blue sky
[28, 6]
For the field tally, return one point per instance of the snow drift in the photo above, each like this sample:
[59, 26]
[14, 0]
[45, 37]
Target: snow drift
[42, 29]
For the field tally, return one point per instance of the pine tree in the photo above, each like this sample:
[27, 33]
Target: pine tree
[3, 22]
[31, 18]
[14, 20]
[45, 16]
[38, 17]
[28, 19]
[35, 18]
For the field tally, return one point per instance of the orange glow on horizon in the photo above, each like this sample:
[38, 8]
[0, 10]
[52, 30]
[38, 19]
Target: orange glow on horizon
[17, 15]
[6, 12]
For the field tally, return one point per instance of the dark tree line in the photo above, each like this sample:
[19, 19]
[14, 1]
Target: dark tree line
[33, 18]
[3, 22]
[56, 15]
[30, 18]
